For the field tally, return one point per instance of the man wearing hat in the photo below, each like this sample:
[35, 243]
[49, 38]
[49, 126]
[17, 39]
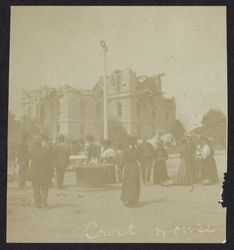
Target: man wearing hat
[40, 171]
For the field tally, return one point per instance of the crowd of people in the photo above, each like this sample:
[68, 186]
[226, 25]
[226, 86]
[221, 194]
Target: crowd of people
[138, 162]
[197, 164]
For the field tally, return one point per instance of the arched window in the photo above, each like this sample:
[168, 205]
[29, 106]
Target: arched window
[82, 108]
[138, 130]
[42, 111]
[82, 130]
[153, 129]
[98, 109]
[138, 109]
[166, 116]
[57, 129]
[119, 109]
[29, 111]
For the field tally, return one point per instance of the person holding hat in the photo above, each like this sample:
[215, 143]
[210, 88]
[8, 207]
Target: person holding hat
[40, 171]
[209, 173]
[131, 174]
[160, 169]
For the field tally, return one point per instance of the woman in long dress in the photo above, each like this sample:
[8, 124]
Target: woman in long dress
[209, 173]
[187, 172]
[131, 174]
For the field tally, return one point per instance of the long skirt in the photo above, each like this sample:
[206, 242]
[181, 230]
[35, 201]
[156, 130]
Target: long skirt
[209, 170]
[198, 169]
[186, 174]
[131, 183]
[160, 171]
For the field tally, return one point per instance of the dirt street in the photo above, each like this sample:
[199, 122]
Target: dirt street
[163, 214]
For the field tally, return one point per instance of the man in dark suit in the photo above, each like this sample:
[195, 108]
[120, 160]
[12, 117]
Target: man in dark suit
[40, 171]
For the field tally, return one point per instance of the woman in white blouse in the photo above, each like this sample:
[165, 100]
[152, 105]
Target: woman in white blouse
[209, 173]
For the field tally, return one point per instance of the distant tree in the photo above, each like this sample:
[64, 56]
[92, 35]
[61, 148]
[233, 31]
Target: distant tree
[213, 125]
[116, 131]
[214, 118]
[12, 122]
[14, 128]
[32, 127]
[177, 130]
[18, 126]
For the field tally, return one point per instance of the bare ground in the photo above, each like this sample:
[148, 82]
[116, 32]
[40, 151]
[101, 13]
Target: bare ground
[163, 214]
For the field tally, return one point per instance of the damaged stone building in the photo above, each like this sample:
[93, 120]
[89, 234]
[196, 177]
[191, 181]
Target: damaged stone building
[137, 102]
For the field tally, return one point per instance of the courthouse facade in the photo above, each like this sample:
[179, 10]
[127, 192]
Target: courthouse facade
[136, 102]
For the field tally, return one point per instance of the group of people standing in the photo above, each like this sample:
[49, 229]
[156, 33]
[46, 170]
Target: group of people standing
[134, 163]
[153, 158]
[139, 160]
[197, 164]
[37, 161]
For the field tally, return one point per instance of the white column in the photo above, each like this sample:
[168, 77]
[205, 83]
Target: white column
[104, 47]
[105, 97]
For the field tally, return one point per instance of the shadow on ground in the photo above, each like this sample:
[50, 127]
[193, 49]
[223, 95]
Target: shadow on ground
[61, 205]
[147, 203]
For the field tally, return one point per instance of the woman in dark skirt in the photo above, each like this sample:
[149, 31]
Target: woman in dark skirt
[209, 173]
[131, 174]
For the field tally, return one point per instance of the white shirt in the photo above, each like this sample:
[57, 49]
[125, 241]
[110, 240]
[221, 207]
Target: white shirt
[205, 152]
[109, 152]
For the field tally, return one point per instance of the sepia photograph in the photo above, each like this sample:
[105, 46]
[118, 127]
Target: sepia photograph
[117, 124]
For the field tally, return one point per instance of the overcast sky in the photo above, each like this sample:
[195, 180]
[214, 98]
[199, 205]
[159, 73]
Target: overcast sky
[60, 45]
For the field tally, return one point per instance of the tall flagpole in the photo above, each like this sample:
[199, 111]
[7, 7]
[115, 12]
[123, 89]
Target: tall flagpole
[104, 47]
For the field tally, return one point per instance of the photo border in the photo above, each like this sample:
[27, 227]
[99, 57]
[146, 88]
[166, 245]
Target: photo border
[228, 186]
